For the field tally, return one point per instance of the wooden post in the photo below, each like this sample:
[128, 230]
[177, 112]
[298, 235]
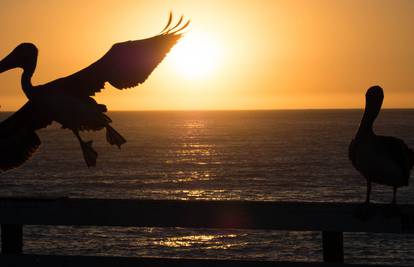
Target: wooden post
[11, 239]
[333, 246]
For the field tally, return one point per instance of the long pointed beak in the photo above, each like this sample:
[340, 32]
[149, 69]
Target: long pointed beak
[3, 66]
[7, 64]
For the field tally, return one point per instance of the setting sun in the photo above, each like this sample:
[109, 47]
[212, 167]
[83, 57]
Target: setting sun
[196, 56]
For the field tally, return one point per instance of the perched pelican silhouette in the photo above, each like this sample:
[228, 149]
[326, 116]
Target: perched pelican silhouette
[384, 160]
[68, 100]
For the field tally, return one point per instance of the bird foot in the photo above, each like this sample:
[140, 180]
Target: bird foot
[113, 137]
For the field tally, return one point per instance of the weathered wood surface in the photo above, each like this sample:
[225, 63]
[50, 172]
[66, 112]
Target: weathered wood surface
[89, 261]
[295, 216]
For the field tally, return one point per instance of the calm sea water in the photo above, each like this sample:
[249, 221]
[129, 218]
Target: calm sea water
[249, 155]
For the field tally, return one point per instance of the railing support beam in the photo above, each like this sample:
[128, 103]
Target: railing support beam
[11, 239]
[333, 246]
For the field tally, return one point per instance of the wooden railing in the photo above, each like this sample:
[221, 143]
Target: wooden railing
[332, 219]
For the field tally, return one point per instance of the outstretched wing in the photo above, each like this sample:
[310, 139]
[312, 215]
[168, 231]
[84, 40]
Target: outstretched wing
[18, 139]
[125, 65]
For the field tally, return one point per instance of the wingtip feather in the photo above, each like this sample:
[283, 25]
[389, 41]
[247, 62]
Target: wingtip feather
[173, 30]
[168, 23]
[182, 28]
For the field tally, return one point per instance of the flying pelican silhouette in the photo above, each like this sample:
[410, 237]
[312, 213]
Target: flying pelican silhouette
[68, 100]
[384, 160]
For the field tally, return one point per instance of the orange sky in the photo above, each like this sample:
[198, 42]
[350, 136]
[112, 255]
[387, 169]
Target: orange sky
[261, 54]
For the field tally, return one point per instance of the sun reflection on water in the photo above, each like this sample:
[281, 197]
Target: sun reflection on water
[213, 241]
[192, 154]
[194, 124]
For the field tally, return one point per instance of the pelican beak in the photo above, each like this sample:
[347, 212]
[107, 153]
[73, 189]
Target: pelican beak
[8, 63]
[3, 66]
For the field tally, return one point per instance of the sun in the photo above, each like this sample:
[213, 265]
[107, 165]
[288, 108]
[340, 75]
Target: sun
[196, 56]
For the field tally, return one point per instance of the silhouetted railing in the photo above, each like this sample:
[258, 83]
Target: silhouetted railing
[332, 219]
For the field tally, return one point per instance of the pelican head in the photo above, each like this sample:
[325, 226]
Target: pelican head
[23, 56]
[373, 99]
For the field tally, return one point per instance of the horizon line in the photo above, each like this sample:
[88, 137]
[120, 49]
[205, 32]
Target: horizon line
[201, 110]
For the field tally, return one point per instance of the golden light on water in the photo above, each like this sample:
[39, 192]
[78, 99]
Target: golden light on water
[196, 56]
[213, 241]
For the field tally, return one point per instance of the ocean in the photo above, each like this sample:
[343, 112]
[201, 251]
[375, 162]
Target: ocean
[295, 155]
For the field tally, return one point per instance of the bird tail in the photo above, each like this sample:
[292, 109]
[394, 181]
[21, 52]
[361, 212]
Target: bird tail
[113, 137]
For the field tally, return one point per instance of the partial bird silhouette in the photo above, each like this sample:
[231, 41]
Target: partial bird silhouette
[384, 160]
[68, 100]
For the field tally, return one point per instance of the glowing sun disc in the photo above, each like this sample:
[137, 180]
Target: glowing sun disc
[195, 56]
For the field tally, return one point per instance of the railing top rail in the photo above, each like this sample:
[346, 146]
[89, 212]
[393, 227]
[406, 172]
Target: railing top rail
[295, 216]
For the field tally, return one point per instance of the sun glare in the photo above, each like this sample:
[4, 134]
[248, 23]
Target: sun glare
[196, 56]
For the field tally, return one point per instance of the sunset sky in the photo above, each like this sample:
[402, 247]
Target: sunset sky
[235, 55]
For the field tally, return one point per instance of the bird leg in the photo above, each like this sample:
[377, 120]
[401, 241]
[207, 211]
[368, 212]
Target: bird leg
[394, 196]
[368, 191]
[89, 154]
